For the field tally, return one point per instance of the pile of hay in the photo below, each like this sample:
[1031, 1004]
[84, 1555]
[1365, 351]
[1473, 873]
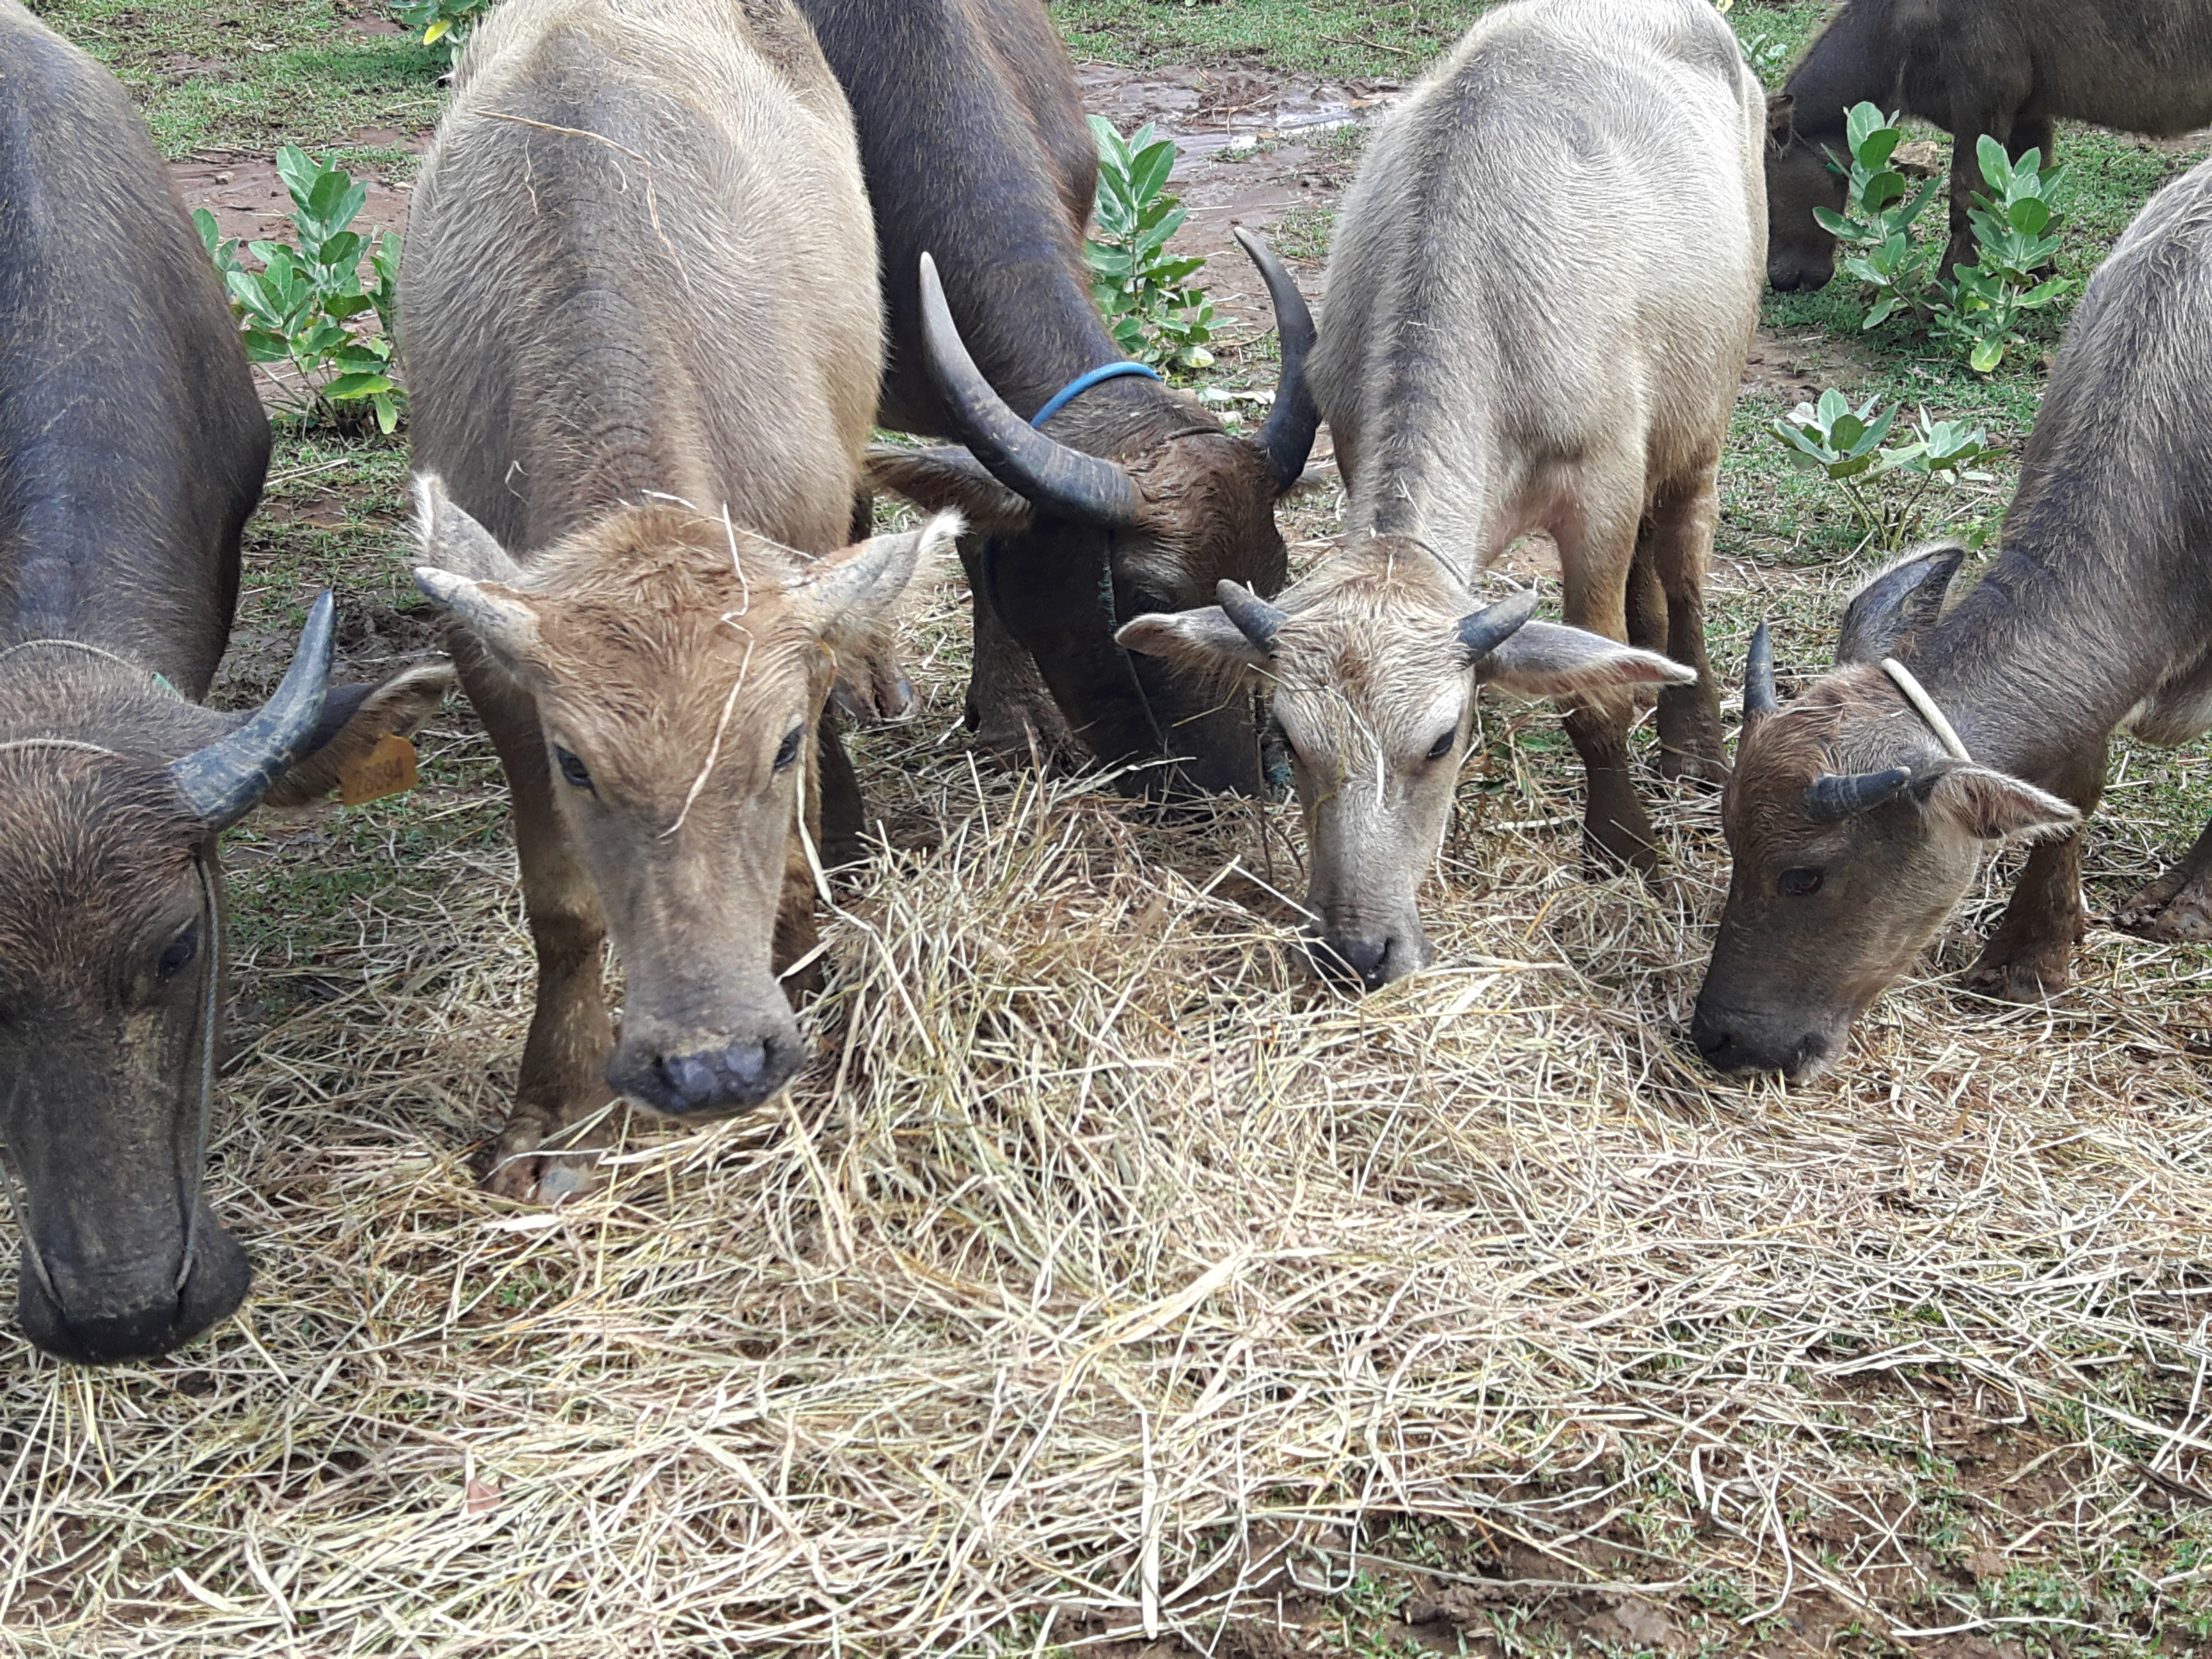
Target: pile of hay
[1103, 1275]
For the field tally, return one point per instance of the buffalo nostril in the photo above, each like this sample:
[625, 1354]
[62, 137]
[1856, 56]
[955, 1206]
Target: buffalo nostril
[690, 1078]
[740, 1075]
[1365, 958]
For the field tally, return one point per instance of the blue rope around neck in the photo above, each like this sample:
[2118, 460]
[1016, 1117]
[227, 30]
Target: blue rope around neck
[1083, 382]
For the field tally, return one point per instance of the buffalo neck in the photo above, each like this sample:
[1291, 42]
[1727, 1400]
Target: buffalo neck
[1848, 65]
[2063, 636]
[975, 153]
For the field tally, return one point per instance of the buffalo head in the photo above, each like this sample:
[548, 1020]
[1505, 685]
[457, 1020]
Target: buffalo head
[1147, 506]
[112, 791]
[1371, 665]
[1801, 175]
[1854, 831]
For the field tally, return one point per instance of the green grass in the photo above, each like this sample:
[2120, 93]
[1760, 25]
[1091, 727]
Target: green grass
[249, 75]
[1391, 40]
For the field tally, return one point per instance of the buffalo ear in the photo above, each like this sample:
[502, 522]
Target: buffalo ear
[1994, 807]
[1901, 598]
[501, 619]
[949, 480]
[849, 593]
[1203, 641]
[1781, 120]
[355, 719]
[1545, 660]
[453, 541]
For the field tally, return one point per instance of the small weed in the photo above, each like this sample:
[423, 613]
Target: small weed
[299, 308]
[1157, 313]
[440, 20]
[1982, 306]
[1875, 227]
[1843, 445]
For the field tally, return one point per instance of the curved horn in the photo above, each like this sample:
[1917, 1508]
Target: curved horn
[1018, 456]
[1759, 699]
[1288, 436]
[1831, 797]
[1255, 619]
[1484, 631]
[224, 781]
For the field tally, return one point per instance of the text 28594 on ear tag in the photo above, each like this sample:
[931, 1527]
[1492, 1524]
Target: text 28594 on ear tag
[386, 769]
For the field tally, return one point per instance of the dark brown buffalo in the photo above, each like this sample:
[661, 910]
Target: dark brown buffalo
[1854, 829]
[973, 144]
[2007, 68]
[131, 450]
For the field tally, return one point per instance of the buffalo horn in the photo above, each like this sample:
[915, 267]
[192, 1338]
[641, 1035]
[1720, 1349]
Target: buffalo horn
[224, 781]
[1484, 631]
[1255, 619]
[1831, 797]
[1759, 676]
[1288, 437]
[1080, 486]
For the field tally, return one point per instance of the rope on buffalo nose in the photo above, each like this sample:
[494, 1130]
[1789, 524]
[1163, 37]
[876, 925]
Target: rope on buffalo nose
[210, 1006]
[1916, 694]
[22, 1215]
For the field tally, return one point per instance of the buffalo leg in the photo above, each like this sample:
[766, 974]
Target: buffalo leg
[1597, 558]
[564, 1058]
[1010, 709]
[2177, 906]
[1678, 538]
[842, 817]
[1992, 114]
[2031, 955]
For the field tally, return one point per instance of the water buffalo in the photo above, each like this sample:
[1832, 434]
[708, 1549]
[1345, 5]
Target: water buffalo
[641, 314]
[131, 450]
[1476, 395]
[2007, 68]
[1133, 498]
[1856, 820]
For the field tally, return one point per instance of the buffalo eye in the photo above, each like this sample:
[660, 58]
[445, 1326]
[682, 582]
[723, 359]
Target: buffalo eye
[177, 955]
[787, 750]
[1442, 745]
[1799, 884]
[572, 769]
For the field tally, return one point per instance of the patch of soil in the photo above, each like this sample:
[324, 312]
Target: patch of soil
[249, 200]
[1250, 151]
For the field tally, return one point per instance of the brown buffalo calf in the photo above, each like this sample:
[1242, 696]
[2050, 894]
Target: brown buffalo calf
[641, 314]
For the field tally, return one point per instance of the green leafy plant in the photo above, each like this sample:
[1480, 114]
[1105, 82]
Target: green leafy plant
[303, 307]
[1982, 306]
[1844, 444]
[1875, 227]
[1158, 314]
[440, 20]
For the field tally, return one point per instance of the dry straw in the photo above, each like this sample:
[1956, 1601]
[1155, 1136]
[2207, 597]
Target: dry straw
[1102, 1275]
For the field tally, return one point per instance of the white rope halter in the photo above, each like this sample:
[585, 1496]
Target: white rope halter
[1916, 694]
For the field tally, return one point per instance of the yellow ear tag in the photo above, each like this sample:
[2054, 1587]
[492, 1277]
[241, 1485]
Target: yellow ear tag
[386, 769]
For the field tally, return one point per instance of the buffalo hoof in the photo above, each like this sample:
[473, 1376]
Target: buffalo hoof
[1024, 731]
[2175, 910]
[2022, 973]
[1610, 847]
[523, 1170]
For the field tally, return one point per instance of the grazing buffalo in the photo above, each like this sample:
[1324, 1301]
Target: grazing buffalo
[1477, 394]
[1858, 814]
[641, 314]
[2007, 68]
[131, 450]
[1131, 498]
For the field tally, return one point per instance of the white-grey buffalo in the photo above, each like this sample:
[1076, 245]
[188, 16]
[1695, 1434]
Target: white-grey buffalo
[1124, 496]
[2001, 68]
[1513, 339]
[639, 309]
[1858, 814]
[132, 449]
